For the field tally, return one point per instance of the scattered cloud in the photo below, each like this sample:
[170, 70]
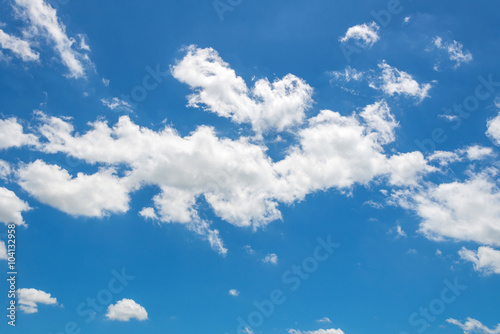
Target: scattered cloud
[319, 331]
[234, 293]
[18, 47]
[455, 51]
[117, 104]
[486, 260]
[474, 326]
[126, 309]
[43, 23]
[494, 129]
[11, 207]
[271, 258]
[324, 320]
[393, 81]
[348, 74]
[29, 299]
[365, 34]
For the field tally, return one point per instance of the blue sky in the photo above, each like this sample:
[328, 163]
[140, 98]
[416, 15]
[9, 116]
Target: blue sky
[316, 167]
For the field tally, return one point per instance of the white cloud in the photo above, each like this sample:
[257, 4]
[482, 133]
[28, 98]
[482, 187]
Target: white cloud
[486, 260]
[365, 34]
[84, 195]
[324, 320]
[105, 82]
[3, 251]
[148, 213]
[116, 103]
[494, 129]
[319, 331]
[11, 207]
[455, 51]
[270, 258]
[476, 152]
[5, 169]
[234, 293]
[29, 299]
[408, 168]
[380, 120]
[276, 105]
[393, 81]
[474, 326]
[43, 22]
[465, 211]
[348, 74]
[444, 158]
[12, 135]
[126, 309]
[19, 47]
[398, 230]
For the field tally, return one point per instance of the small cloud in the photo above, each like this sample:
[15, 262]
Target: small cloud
[126, 309]
[324, 320]
[249, 249]
[407, 19]
[148, 213]
[234, 293]
[439, 252]
[365, 34]
[271, 258]
[455, 51]
[116, 103]
[29, 299]
[412, 251]
[105, 82]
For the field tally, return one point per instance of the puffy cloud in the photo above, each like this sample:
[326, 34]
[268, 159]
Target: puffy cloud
[465, 211]
[319, 331]
[455, 51]
[117, 104]
[3, 251]
[29, 299]
[476, 152]
[365, 34]
[486, 260]
[234, 293]
[19, 47]
[5, 169]
[85, 195]
[126, 309]
[11, 207]
[267, 106]
[408, 168]
[474, 326]
[270, 258]
[12, 135]
[380, 120]
[43, 22]
[494, 129]
[393, 81]
[444, 158]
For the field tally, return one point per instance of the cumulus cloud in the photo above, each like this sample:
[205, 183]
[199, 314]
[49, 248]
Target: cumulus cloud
[477, 152]
[455, 51]
[29, 299]
[474, 326]
[319, 331]
[276, 105]
[84, 195]
[12, 135]
[270, 258]
[20, 48]
[486, 260]
[365, 34]
[11, 207]
[234, 293]
[44, 23]
[126, 309]
[494, 129]
[393, 81]
[464, 211]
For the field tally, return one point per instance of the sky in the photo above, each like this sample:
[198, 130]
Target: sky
[235, 166]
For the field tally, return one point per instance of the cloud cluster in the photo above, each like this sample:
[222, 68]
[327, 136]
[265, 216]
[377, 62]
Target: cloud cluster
[18, 47]
[267, 106]
[474, 326]
[319, 331]
[486, 260]
[11, 207]
[455, 51]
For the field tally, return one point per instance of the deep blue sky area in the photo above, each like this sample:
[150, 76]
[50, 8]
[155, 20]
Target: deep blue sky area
[387, 275]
